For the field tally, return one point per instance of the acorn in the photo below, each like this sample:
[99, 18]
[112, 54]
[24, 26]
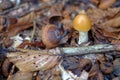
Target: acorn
[51, 35]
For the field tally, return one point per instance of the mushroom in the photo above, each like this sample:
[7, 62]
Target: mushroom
[82, 24]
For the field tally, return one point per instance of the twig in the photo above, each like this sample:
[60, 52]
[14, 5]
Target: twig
[69, 51]
[90, 49]
[34, 28]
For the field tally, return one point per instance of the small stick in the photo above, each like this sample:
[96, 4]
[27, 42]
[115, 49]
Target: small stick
[34, 28]
[90, 49]
[69, 51]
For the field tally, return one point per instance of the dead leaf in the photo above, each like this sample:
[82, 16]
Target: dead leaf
[56, 13]
[98, 16]
[22, 24]
[112, 22]
[84, 75]
[34, 44]
[30, 60]
[21, 76]
[115, 41]
[67, 25]
[1, 28]
[106, 26]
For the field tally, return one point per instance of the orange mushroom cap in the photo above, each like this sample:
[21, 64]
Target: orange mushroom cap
[82, 22]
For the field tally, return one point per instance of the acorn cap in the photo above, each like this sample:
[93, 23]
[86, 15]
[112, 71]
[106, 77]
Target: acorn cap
[82, 22]
[49, 37]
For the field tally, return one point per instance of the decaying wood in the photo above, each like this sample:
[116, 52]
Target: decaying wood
[70, 50]
[90, 49]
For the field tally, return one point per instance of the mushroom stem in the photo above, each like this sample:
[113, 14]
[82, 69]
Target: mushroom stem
[83, 37]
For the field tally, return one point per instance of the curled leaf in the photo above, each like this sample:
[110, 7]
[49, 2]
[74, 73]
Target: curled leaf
[56, 13]
[22, 24]
[106, 26]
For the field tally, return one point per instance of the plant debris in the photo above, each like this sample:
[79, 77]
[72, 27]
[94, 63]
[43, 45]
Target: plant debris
[38, 40]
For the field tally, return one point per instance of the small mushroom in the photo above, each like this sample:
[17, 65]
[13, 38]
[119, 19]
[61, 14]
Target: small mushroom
[52, 34]
[104, 4]
[82, 24]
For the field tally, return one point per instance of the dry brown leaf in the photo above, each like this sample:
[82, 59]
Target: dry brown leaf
[21, 76]
[56, 13]
[115, 41]
[106, 24]
[2, 20]
[1, 28]
[30, 60]
[2, 23]
[111, 35]
[98, 16]
[22, 24]
[112, 22]
[104, 4]
[111, 29]
[34, 44]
